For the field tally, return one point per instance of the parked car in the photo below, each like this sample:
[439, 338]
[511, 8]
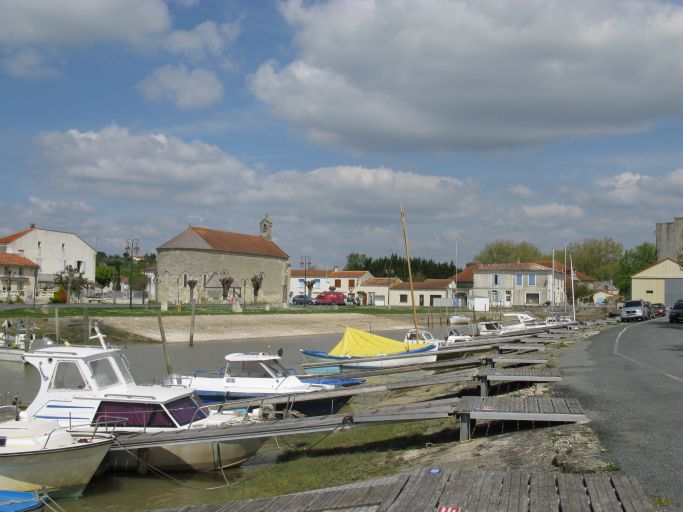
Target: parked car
[635, 310]
[660, 309]
[676, 312]
[304, 299]
[332, 298]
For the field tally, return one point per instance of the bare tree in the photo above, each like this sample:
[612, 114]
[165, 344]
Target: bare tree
[256, 282]
[226, 283]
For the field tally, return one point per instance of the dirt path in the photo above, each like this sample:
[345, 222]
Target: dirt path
[240, 327]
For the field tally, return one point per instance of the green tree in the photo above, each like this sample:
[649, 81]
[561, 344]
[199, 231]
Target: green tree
[104, 276]
[597, 257]
[356, 261]
[506, 251]
[632, 262]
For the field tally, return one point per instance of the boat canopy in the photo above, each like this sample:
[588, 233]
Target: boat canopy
[357, 343]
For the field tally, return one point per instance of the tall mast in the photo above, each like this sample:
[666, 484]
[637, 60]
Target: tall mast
[410, 272]
[573, 299]
[565, 278]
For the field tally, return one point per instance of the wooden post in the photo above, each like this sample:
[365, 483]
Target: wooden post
[484, 385]
[464, 426]
[167, 359]
[86, 326]
[57, 324]
[192, 283]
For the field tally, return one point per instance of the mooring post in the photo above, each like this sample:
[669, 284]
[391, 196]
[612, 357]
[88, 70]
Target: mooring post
[57, 324]
[464, 426]
[484, 385]
[169, 369]
[86, 326]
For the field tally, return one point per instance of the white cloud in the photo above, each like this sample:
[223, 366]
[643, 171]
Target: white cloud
[475, 75]
[521, 191]
[41, 207]
[552, 211]
[205, 40]
[28, 63]
[75, 22]
[189, 90]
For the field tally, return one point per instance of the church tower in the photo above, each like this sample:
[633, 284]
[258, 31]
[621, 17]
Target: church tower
[266, 228]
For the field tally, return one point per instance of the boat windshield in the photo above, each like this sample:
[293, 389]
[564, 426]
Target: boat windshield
[277, 369]
[123, 365]
[248, 369]
[130, 414]
[103, 372]
[185, 410]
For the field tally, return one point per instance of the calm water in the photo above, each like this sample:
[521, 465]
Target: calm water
[133, 492]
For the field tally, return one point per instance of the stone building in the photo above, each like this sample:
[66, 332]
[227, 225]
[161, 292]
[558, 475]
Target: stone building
[669, 239]
[226, 266]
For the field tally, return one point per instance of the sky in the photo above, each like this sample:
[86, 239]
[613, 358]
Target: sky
[544, 121]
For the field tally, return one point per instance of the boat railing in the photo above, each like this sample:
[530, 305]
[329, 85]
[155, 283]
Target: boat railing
[86, 434]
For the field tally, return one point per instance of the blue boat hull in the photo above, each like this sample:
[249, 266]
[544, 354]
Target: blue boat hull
[17, 501]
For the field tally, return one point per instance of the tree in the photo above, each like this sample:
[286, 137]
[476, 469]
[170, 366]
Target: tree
[506, 251]
[356, 261]
[71, 281]
[104, 276]
[632, 262]
[597, 257]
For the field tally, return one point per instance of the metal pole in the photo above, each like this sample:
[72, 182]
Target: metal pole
[167, 359]
[57, 323]
[130, 284]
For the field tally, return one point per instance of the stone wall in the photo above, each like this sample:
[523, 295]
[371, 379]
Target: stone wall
[669, 239]
[174, 264]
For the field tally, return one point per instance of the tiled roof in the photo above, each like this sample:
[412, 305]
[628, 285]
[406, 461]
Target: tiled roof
[492, 267]
[224, 241]
[381, 281]
[15, 260]
[348, 273]
[311, 272]
[560, 267]
[466, 275]
[11, 238]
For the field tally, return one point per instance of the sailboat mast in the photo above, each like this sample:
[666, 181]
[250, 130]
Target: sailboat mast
[410, 272]
[573, 299]
[565, 279]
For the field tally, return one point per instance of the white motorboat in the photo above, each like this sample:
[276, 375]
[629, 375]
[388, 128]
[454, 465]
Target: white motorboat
[455, 337]
[91, 388]
[521, 324]
[458, 319]
[422, 336]
[39, 454]
[254, 375]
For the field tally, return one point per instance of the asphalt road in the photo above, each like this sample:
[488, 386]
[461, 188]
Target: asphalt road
[629, 380]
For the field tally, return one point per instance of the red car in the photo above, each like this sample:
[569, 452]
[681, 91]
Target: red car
[659, 309]
[332, 298]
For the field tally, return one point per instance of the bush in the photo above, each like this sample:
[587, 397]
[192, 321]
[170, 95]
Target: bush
[59, 297]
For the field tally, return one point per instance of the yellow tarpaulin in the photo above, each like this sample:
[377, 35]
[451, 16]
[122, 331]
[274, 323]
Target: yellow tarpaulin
[356, 343]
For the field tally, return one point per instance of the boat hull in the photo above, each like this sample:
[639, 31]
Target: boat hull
[11, 355]
[188, 457]
[63, 472]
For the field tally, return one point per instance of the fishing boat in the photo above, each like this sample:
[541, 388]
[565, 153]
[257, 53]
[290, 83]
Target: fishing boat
[357, 344]
[40, 454]
[20, 501]
[254, 375]
[90, 389]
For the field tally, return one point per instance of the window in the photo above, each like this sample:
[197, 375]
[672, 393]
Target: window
[508, 296]
[352, 283]
[185, 410]
[103, 373]
[337, 283]
[422, 300]
[204, 280]
[649, 291]
[21, 271]
[403, 298]
[184, 280]
[68, 376]
[532, 279]
[126, 414]
[496, 279]
[533, 298]
[519, 280]
[494, 296]
[38, 244]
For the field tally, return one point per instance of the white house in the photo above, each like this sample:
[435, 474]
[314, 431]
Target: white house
[17, 277]
[517, 284]
[53, 251]
[344, 281]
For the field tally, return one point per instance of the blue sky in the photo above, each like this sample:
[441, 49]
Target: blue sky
[539, 120]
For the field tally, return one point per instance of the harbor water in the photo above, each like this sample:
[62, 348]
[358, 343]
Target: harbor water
[129, 491]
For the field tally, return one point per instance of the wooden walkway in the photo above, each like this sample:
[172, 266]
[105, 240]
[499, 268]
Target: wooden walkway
[487, 375]
[467, 409]
[446, 490]
[513, 359]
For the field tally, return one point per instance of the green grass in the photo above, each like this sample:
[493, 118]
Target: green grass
[661, 502]
[341, 458]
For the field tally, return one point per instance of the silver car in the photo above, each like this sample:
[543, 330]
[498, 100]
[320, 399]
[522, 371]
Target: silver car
[635, 310]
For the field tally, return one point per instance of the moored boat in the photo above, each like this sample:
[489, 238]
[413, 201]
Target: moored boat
[91, 388]
[39, 454]
[20, 501]
[356, 346]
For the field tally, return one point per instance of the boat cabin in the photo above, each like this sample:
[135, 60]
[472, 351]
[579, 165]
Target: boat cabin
[254, 366]
[422, 336]
[93, 386]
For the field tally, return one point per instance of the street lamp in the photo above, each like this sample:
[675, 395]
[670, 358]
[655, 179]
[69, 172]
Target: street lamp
[306, 263]
[132, 246]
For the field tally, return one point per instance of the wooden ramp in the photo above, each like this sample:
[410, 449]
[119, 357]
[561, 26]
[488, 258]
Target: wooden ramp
[467, 409]
[513, 359]
[487, 375]
[441, 489]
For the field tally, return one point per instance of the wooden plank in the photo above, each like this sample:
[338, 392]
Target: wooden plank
[543, 493]
[601, 494]
[573, 497]
[514, 495]
[631, 494]
[422, 491]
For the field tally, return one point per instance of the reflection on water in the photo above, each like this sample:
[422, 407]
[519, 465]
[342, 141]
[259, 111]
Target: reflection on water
[132, 492]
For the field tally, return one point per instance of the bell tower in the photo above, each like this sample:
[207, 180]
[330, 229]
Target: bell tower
[266, 228]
